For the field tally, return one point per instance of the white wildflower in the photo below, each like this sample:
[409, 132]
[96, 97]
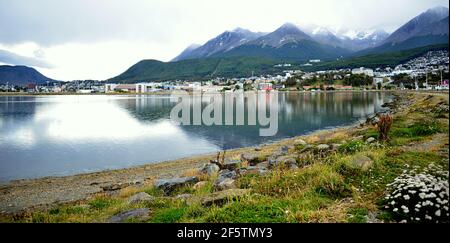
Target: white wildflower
[438, 213]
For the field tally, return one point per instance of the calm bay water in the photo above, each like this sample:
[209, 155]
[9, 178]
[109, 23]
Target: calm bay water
[63, 135]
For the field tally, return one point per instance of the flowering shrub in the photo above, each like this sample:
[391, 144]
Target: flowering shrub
[420, 196]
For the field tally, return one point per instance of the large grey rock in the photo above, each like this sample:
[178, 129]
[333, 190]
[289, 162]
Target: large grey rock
[225, 184]
[284, 150]
[252, 158]
[361, 161]
[370, 140]
[226, 179]
[183, 196]
[300, 142]
[263, 165]
[253, 170]
[140, 214]
[227, 174]
[231, 165]
[140, 197]
[211, 169]
[169, 185]
[221, 197]
[116, 186]
[323, 147]
[285, 161]
[200, 185]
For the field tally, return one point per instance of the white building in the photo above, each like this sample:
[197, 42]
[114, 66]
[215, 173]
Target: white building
[378, 80]
[147, 87]
[85, 91]
[362, 70]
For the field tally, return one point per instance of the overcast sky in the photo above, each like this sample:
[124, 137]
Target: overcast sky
[98, 39]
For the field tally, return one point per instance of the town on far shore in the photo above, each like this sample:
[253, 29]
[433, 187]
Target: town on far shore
[427, 72]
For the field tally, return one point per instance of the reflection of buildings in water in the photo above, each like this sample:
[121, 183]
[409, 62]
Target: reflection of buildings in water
[313, 108]
[147, 108]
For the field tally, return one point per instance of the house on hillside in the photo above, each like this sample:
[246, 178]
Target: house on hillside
[362, 70]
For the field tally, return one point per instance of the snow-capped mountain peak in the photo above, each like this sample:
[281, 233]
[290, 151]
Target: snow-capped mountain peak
[321, 31]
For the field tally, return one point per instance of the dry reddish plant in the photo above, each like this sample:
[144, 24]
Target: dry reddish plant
[384, 126]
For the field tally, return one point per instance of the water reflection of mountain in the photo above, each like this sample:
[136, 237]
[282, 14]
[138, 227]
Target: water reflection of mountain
[298, 114]
[148, 108]
[17, 105]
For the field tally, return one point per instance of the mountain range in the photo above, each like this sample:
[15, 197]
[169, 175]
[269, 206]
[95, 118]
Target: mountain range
[300, 43]
[428, 28]
[21, 75]
[241, 52]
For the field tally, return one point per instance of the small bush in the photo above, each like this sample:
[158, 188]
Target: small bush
[333, 185]
[346, 170]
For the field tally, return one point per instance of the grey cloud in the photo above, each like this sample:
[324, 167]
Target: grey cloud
[12, 58]
[50, 22]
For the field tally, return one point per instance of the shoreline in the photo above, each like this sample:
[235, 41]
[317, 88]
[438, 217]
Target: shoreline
[27, 195]
[18, 196]
[354, 124]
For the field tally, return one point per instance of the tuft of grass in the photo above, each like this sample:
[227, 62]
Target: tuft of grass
[102, 202]
[357, 215]
[169, 215]
[351, 147]
[419, 129]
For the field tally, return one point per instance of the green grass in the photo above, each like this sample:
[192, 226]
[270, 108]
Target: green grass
[102, 203]
[169, 215]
